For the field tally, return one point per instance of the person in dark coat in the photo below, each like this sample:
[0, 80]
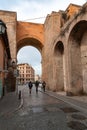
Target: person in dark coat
[44, 85]
[30, 85]
[37, 85]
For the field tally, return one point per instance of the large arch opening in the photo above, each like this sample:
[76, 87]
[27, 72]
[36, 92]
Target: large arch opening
[77, 58]
[30, 41]
[29, 51]
[58, 66]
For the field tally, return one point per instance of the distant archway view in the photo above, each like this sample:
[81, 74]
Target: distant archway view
[29, 63]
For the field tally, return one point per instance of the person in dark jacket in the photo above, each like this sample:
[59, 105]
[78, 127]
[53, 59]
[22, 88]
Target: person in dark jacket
[37, 85]
[44, 85]
[30, 85]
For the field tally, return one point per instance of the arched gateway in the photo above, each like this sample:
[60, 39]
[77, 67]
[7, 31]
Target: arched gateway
[20, 34]
[62, 42]
[30, 34]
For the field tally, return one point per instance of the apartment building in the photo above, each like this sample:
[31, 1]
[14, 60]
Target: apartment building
[26, 72]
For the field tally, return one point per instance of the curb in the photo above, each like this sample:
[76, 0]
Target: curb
[67, 100]
[16, 109]
[21, 104]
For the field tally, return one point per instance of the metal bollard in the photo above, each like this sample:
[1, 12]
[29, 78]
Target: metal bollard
[20, 94]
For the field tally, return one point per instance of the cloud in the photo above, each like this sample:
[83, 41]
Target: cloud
[7, 4]
[29, 9]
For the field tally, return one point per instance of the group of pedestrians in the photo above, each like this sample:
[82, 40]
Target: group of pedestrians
[30, 85]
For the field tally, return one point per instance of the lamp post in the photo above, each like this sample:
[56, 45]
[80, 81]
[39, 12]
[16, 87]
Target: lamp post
[2, 27]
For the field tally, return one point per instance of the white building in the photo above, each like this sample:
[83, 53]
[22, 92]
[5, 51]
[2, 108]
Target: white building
[26, 72]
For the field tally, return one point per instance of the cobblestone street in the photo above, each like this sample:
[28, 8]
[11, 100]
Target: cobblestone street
[43, 112]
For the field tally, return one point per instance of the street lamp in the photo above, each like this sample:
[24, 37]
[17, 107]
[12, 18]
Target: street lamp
[2, 27]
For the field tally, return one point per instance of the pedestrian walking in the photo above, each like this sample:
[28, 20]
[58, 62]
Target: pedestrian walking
[37, 85]
[30, 85]
[44, 85]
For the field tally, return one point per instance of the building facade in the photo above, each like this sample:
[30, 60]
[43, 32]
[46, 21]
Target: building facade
[65, 50]
[26, 73]
[37, 77]
[5, 58]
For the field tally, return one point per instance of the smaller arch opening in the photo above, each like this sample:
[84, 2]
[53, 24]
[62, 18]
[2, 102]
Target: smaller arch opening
[59, 48]
[58, 66]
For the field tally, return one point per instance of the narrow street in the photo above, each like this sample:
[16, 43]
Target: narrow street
[43, 112]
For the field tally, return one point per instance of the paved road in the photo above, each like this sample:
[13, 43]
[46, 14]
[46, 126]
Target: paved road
[42, 112]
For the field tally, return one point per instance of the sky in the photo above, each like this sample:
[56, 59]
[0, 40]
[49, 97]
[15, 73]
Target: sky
[34, 11]
[32, 56]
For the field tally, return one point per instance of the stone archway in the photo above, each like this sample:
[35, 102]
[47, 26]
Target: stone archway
[30, 34]
[58, 66]
[77, 57]
[30, 41]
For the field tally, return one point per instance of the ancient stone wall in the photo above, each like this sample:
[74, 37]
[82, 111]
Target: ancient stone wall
[10, 18]
[73, 60]
[52, 29]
